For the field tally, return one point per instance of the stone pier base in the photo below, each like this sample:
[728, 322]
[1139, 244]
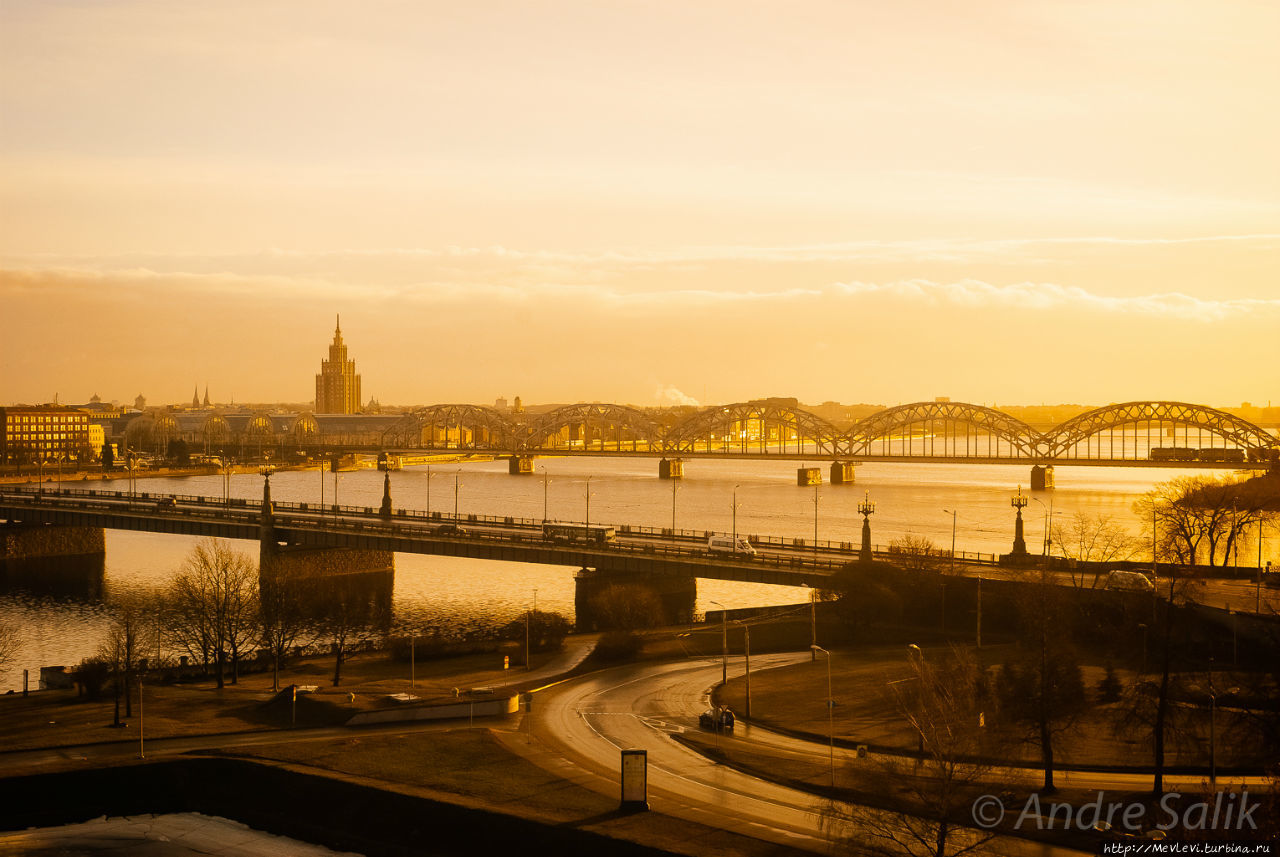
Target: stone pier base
[842, 472]
[357, 583]
[1042, 477]
[59, 561]
[806, 476]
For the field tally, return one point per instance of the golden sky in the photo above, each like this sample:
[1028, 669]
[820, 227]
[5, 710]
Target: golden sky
[1003, 202]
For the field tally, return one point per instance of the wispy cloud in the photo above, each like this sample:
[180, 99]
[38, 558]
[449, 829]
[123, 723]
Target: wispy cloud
[1046, 296]
[871, 250]
[446, 287]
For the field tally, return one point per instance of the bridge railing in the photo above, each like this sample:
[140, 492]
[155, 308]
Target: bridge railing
[487, 526]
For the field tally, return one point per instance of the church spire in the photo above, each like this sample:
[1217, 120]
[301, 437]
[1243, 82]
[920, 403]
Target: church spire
[195, 396]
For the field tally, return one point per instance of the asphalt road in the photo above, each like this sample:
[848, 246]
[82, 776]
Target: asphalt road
[590, 720]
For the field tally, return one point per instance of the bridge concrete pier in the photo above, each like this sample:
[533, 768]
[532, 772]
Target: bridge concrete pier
[676, 593]
[806, 476]
[53, 557]
[520, 465]
[1042, 477]
[671, 468]
[842, 472]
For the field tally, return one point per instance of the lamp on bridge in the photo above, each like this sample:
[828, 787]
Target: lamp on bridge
[866, 508]
[1019, 502]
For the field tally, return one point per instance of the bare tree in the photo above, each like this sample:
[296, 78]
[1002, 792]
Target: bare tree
[281, 617]
[923, 808]
[1200, 519]
[627, 607]
[1095, 539]
[1041, 689]
[917, 553]
[347, 616]
[212, 607]
[8, 646]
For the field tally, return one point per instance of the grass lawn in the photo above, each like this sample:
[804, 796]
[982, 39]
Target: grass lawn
[866, 711]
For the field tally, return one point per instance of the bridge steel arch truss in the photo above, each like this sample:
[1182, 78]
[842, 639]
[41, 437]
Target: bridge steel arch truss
[452, 427]
[758, 428]
[943, 429]
[593, 427]
[1093, 435]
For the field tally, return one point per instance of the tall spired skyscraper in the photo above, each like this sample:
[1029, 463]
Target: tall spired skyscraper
[337, 385]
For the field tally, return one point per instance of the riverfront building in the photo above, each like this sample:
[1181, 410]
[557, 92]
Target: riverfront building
[337, 385]
[43, 433]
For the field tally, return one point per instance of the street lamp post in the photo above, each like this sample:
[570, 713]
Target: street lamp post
[724, 643]
[866, 508]
[675, 486]
[527, 622]
[1019, 502]
[1213, 727]
[322, 486]
[588, 513]
[813, 622]
[142, 724]
[545, 482]
[815, 526]
[831, 716]
[456, 486]
[428, 490]
[735, 518]
[953, 539]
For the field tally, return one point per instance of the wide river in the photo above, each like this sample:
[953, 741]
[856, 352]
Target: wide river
[451, 594]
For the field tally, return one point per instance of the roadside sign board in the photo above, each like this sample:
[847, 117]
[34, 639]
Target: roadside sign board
[635, 779]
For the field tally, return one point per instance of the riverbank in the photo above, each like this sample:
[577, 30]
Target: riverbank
[404, 788]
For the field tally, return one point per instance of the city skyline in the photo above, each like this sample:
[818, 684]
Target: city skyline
[1023, 204]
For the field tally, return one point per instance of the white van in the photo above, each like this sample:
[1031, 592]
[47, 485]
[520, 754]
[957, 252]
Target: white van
[727, 544]
[1129, 581]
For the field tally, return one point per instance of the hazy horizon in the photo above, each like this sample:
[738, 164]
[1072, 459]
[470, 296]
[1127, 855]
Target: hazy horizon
[652, 203]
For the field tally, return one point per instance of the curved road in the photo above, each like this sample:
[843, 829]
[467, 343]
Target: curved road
[589, 720]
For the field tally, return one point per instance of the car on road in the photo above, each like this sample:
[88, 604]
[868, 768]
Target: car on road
[1129, 581]
[717, 719]
[166, 503]
[729, 544]
[450, 530]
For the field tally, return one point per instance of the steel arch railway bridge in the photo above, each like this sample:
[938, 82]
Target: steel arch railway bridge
[1133, 433]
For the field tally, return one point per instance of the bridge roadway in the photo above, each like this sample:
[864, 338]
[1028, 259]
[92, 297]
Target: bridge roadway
[643, 550]
[646, 550]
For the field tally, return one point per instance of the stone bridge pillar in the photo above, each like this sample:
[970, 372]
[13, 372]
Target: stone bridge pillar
[676, 593]
[842, 472]
[1042, 477]
[671, 468]
[53, 558]
[806, 476]
[520, 465]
